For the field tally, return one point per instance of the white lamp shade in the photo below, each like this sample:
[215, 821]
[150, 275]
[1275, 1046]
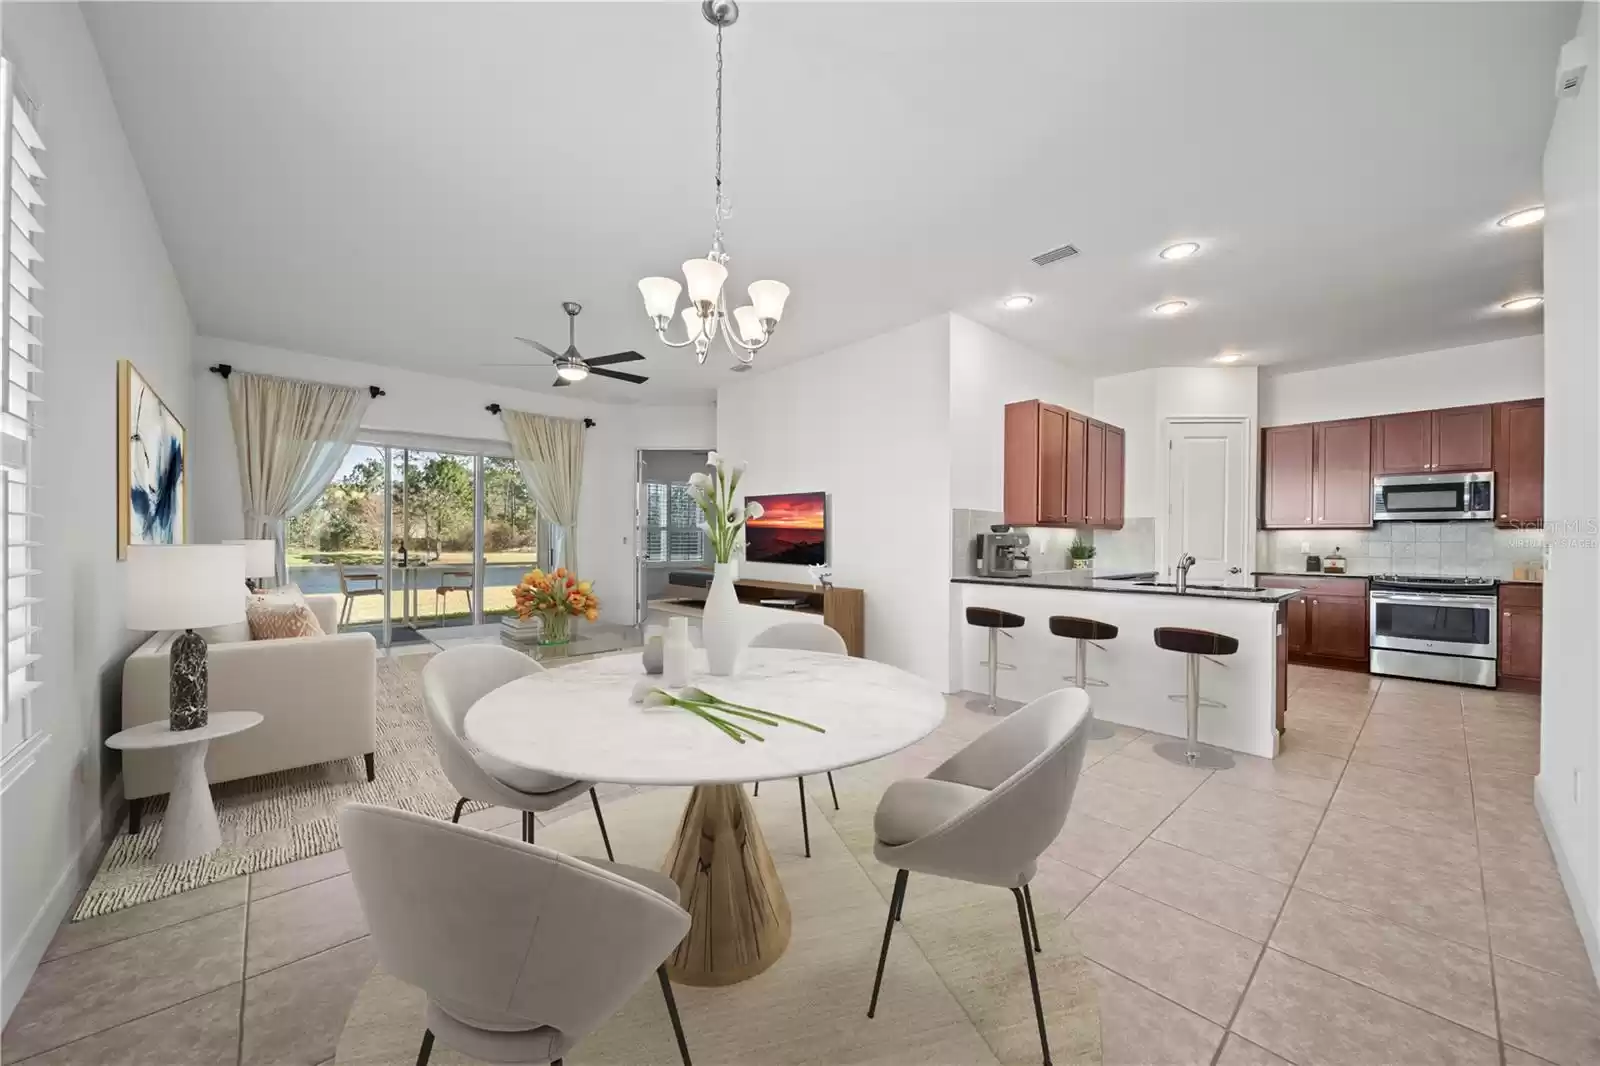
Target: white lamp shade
[749, 324]
[769, 298]
[705, 278]
[184, 586]
[660, 296]
[260, 557]
[694, 323]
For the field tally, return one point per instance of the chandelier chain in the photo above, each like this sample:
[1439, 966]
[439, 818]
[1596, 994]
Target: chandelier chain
[720, 211]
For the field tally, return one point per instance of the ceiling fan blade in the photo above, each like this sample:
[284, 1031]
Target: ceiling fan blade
[524, 366]
[619, 375]
[619, 357]
[562, 383]
[542, 348]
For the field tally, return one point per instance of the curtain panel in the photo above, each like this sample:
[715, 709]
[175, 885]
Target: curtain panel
[291, 437]
[549, 452]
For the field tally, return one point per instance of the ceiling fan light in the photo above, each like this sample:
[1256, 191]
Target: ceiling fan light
[750, 329]
[571, 371]
[705, 278]
[660, 296]
[768, 298]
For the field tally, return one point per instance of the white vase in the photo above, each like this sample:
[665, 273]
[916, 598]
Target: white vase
[719, 625]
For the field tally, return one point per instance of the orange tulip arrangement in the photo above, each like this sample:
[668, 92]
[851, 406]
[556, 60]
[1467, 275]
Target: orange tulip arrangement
[557, 597]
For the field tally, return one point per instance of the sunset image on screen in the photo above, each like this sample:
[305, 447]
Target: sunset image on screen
[793, 529]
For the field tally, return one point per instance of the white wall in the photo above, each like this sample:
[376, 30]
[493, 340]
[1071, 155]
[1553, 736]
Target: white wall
[1568, 788]
[869, 424]
[451, 407]
[1446, 377]
[1129, 401]
[988, 371]
[109, 293]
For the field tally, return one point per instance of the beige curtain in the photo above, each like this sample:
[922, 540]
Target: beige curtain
[549, 453]
[291, 437]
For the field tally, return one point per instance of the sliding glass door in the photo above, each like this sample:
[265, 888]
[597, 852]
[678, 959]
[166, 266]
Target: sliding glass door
[337, 545]
[510, 534]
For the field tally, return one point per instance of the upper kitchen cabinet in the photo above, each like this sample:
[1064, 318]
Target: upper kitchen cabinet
[1519, 463]
[1062, 468]
[1116, 453]
[1094, 463]
[1430, 442]
[1317, 475]
[1286, 473]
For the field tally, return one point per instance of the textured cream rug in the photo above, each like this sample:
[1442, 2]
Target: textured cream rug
[277, 818]
[955, 991]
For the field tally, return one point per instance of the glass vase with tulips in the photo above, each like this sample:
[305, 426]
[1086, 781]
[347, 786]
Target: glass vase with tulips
[557, 598]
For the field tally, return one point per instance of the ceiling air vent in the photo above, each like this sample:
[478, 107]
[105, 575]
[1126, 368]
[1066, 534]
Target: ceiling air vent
[1055, 255]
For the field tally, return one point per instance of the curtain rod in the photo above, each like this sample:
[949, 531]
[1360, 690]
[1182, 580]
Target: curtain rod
[224, 369]
[494, 409]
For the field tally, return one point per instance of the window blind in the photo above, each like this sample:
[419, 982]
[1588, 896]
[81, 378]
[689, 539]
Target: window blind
[19, 398]
[672, 524]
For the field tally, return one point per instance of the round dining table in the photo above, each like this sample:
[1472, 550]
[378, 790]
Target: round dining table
[580, 721]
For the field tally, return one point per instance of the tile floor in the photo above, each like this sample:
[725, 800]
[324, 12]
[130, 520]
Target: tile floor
[1381, 893]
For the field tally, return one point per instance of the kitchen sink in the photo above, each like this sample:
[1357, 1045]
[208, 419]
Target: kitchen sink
[1202, 585]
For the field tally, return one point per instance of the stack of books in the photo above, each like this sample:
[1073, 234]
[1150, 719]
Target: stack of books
[521, 630]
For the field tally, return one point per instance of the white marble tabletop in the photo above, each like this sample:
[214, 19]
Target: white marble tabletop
[578, 721]
[162, 735]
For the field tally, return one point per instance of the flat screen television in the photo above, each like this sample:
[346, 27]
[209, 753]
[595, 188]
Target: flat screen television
[792, 529]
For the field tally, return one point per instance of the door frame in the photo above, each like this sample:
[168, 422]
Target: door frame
[1252, 475]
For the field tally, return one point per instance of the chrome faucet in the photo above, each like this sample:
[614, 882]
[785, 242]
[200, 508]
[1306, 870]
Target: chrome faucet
[1185, 560]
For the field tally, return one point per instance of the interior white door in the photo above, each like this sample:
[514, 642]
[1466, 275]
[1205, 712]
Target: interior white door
[1208, 510]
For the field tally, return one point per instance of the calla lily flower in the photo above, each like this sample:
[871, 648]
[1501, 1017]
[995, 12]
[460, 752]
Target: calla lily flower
[700, 480]
[754, 511]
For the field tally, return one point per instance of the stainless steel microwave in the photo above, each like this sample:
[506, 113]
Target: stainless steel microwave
[1432, 497]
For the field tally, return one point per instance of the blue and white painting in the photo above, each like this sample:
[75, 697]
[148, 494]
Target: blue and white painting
[152, 467]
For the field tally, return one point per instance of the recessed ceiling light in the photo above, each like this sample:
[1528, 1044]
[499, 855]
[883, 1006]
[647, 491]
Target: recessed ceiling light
[1528, 216]
[1180, 251]
[1017, 302]
[1230, 357]
[1171, 307]
[1522, 303]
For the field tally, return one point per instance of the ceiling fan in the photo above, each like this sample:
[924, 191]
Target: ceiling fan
[570, 366]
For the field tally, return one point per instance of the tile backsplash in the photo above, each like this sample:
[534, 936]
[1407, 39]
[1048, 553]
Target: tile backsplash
[1129, 548]
[1474, 549]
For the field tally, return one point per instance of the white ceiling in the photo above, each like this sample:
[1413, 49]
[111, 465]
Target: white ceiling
[413, 184]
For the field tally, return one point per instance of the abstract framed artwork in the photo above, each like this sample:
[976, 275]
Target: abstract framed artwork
[152, 466]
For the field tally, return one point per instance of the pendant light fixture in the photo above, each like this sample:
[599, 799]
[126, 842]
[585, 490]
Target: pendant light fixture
[707, 314]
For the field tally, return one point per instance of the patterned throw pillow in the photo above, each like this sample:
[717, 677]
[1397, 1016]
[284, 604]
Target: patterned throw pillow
[273, 619]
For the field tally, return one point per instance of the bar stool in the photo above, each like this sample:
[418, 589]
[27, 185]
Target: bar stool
[1086, 631]
[994, 621]
[1196, 644]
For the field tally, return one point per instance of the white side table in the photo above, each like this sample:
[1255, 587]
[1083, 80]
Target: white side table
[189, 828]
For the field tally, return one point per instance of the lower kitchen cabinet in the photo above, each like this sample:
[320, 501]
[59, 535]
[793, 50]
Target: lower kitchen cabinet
[1521, 633]
[1327, 622]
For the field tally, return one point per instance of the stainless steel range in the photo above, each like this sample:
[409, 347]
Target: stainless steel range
[1435, 628]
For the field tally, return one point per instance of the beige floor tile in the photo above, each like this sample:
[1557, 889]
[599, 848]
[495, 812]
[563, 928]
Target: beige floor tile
[1308, 1015]
[1514, 844]
[1440, 976]
[1237, 1051]
[1518, 1057]
[1446, 902]
[1138, 1027]
[1457, 827]
[1061, 885]
[96, 989]
[1505, 758]
[1127, 808]
[1153, 774]
[1451, 768]
[1310, 763]
[1394, 845]
[1550, 1016]
[294, 1014]
[1194, 963]
[1265, 809]
[1245, 902]
[295, 874]
[198, 1032]
[146, 917]
[1318, 739]
[1275, 853]
[1092, 845]
[1440, 797]
[301, 922]
[1267, 775]
[1532, 923]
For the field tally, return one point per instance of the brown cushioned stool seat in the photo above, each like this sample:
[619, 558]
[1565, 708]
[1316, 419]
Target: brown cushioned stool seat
[1195, 641]
[1065, 625]
[993, 618]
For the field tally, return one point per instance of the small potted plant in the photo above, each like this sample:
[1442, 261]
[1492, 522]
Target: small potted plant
[1081, 554]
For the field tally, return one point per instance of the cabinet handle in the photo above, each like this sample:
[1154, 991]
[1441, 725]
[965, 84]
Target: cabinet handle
[1502, 516]
[1505, 614]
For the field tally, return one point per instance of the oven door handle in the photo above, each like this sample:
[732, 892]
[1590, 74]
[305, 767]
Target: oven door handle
[1429, 599]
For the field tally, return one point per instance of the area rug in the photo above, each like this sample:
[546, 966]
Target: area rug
[277, 818]
[955, 991]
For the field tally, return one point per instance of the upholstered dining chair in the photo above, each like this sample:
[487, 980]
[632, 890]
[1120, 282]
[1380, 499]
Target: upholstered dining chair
[804, 636]
[452, 682]
[521, 950]
[987, 813]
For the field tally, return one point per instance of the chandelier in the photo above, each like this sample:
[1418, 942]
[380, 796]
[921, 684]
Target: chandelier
[707, 315]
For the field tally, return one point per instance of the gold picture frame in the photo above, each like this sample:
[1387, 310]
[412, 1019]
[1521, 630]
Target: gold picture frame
[152, 474]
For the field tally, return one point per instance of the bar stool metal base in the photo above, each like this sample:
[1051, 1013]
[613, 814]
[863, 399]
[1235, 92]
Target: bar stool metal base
[1202, 755]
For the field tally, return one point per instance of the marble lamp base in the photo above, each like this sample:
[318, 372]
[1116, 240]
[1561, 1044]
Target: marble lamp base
[188, 696]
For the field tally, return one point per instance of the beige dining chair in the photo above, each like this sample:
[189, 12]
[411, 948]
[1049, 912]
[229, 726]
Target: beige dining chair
[452, 682]
[522, 951]
[451, 581]
[803, 636]
[355, 585]
[986, 815]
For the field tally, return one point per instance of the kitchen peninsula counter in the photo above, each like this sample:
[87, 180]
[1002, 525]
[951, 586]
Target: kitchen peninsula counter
[1089, 581]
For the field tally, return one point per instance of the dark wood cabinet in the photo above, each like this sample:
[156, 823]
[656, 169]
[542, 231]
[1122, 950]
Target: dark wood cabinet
[1062, 468]
[1519, 464]
[1076, 511]
[1327, 622]
[1298, 625]
[1521, 632]
[1403, 444]
[1343, 480]
[1286, 476]
[1094, 455]
[1116, 470]
[1434, 442]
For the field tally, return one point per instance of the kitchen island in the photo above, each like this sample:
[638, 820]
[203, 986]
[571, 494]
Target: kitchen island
[1139, 675]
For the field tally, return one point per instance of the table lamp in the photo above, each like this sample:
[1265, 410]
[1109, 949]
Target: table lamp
[260, 561]
[185, 586]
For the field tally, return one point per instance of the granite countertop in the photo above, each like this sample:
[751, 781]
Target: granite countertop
[1307, 573]
[1091, 581]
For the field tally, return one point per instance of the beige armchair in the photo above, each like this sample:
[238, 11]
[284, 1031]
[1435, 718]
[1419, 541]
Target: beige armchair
[317, 696]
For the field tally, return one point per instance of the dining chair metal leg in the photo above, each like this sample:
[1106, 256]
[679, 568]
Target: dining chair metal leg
[528, 824]
[805, 827]
[426, 1050]
[895, 899]
[833, 791]
[1033, 974]
[461, 805]
[604, 836]
[1033, 922]
[900, 908]
[672, 1010]
[758, 788]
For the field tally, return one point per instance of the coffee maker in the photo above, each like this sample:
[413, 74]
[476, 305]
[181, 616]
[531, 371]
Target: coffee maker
[1001, 553]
